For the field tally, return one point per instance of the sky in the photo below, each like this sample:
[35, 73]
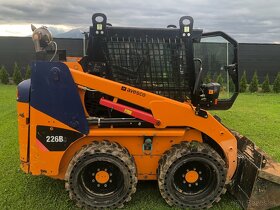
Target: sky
[245, 20]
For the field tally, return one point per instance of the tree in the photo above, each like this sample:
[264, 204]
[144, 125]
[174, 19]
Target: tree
[265, 85]
[254, 83]
[4, 76]
[243, 83]
[231, 86]
[17, 78]
[208, 78]
[220, 80]
[276, 84]
[27, 72]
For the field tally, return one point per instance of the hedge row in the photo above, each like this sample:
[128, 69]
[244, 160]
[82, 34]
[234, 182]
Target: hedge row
[254, 85]
[16, 76]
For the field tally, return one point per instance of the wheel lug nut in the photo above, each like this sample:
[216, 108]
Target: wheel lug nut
[110, 181]
[105, 169]
[199, 172]
[184, 182]
[93, 180]
[98, 185]
[196, 184]
[189, 185]
[183, 175]
[110, 174]
[98, 169]
[93, 174]
[200, 178]
[194, 169]
[105, 185]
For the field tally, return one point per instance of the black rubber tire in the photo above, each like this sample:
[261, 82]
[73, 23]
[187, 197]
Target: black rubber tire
[97, 153]
[182, 155]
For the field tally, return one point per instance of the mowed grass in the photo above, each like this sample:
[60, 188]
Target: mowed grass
[254, 115]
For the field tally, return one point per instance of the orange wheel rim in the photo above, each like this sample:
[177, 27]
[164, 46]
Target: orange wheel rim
[191, 176]
[102, 177]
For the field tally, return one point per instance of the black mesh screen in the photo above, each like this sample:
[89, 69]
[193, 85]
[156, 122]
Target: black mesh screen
[157, 65]
[159, 60]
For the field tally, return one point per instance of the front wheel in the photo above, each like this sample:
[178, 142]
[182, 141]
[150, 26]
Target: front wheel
[101, 175]
[191, 175]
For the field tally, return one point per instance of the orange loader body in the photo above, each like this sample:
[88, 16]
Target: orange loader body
[183, 115]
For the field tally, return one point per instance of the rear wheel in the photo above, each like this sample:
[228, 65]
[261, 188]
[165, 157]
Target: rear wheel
[101, 175]
[191, 175]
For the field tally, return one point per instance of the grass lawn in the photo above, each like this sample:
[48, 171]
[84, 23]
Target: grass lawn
[255, 115]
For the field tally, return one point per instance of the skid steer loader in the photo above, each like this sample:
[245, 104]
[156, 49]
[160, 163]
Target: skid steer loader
[135, 108]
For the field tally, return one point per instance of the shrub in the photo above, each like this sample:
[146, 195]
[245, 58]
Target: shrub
[243, 83]
[265, 85]
[220, 79]
[17, 78]
[276, 84]
[4, 76]
[254, 83]
[208, 78]
[27, 72]
[231, 86]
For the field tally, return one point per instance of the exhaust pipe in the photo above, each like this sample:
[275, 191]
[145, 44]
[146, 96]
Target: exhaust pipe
[256, 184]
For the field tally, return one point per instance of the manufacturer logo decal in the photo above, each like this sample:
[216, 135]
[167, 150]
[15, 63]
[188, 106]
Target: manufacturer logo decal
[133, 91]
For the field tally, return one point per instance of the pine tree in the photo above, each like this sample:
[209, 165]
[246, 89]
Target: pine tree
[4, 76]
[254, 83]
[265, 85]
[243, 83]
[231, 86]
[220, 80]
[17, 78]
[276, 84]
[208, 78]
[27, 72]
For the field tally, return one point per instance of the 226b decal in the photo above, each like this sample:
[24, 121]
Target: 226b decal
[56, 139]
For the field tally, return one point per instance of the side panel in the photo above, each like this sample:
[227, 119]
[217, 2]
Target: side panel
[54, 93]
[45, 156]
[23, 133]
